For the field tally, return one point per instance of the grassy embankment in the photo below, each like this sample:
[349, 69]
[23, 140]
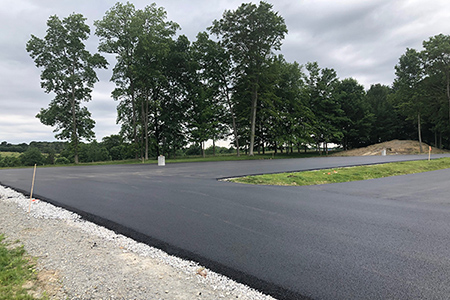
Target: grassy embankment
[347, 174]
[15, 271]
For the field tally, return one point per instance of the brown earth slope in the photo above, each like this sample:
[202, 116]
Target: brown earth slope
[392, 148]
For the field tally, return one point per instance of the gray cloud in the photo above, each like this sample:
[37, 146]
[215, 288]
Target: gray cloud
[359, 39]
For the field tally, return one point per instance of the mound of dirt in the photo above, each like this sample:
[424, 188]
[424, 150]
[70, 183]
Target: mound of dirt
[392, 148]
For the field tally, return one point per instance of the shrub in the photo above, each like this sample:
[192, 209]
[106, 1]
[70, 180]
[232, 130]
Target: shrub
[31, 157]
[62, 161]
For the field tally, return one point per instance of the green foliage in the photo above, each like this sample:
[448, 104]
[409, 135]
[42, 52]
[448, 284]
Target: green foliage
[422, 89]
[386, 121]
[358, 119]
[250, 34]
[31, 157]
[68, 72]
[141, 40]
[321, 91]
[15, 271]
[93, 152]
[6, 147]
[62, 161]
[10, 161]
[172, 93]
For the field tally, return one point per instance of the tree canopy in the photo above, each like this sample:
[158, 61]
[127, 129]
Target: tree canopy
[231, 82]
[68, 72]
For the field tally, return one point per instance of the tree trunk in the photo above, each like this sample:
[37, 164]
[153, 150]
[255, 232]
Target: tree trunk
[157, 137]
[435, 139]
[214, 147]
[420, 132]
[233, 117]
[253, 117]
[134, 116]
[203, 149]
[144, 111]
[448, 92]
[74, 127]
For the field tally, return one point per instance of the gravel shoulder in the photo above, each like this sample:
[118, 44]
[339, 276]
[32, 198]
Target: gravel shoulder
[77, 259]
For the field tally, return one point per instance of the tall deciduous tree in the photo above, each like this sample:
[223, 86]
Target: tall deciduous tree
[357, 120]
[139, 40]
[68, 72]
[250, 34]
[216, 73]
[409, 86]
[328, 114]
[386, 122]
[437, 59]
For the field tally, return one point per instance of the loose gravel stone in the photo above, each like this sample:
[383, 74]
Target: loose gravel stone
[77, 259]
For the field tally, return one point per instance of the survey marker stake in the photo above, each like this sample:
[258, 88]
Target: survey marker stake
[32, 187]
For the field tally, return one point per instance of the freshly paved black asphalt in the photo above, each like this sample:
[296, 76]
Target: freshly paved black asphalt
[378, 239]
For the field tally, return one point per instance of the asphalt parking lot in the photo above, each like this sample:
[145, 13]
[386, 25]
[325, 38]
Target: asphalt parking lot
[378, 239]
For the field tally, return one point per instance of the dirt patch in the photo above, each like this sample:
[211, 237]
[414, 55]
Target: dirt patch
[47, 284]
[392, 148]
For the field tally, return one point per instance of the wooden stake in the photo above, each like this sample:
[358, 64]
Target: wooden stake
[32, 187]
[429, 154]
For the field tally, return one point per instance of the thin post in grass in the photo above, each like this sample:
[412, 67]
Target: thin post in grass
[32, 187]
[429, 154]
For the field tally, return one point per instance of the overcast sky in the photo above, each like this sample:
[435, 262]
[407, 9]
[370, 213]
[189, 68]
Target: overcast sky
[362, 39]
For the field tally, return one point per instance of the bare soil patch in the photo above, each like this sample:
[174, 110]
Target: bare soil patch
[393, 147]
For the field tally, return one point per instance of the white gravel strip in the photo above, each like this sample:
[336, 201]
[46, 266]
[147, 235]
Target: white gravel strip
[92, 262]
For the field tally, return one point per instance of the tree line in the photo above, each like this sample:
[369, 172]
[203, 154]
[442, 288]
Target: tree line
[111, 148]
[231, 82]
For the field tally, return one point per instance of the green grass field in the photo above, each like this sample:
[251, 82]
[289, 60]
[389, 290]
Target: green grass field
[13, 154]
[347, 174]
[15, 270]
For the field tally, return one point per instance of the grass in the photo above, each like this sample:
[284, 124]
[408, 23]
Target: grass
[15, 270]
[210, 158]
[197, 158]
[6, 154]
[347, 174]
[183, 159]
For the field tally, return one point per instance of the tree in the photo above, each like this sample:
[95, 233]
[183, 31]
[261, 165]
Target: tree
[386, 121]
[295, 117]
[250, 34]
[357, 120]
[409, 86]
[436, 56]
[173, 105]
[328, 114]
[68, 72]
[217, 78]
[118, 32]
[93, 152]
[140, 39]
[31, 157]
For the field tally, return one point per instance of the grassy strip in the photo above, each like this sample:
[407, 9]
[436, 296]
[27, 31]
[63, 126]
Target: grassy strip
[347, 174]
[208, 158]
[15, 271]
[211, 158]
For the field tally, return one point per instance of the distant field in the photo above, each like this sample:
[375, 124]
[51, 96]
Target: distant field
[13, 154]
